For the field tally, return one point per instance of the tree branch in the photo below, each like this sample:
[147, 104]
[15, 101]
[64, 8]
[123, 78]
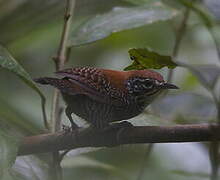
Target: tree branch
[130, 135]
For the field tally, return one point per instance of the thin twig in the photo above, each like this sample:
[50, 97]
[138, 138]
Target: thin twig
[217, 104]
[214, 146]
[217, 45]
[214, 159]
[145, 160]
[56, 169]
[60, 60]
[179, 36]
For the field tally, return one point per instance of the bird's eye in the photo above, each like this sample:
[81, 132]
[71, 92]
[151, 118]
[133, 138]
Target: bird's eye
[148, 84]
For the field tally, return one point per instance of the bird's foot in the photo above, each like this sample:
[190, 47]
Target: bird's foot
[123, 124]
[68, 129]
[74, 126]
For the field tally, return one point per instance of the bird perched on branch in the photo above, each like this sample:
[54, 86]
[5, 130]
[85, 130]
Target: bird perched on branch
[102, 96]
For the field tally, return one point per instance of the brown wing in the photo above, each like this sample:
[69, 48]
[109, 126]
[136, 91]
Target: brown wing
[87, 81]
[94, 82]
[71, 87]
[87, 77]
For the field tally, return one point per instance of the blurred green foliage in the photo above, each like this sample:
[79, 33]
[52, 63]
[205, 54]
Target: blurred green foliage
[31, 30]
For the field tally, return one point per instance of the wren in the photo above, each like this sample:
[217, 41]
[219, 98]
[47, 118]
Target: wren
[103, 96]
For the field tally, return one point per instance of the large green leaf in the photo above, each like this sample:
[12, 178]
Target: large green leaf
[119, 19]
[9, 63]
[8, 151]
[146, 59]
[37, 18]
[14, 118]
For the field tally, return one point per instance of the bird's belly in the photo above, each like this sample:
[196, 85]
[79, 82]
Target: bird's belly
[97, 113]
[126, 112]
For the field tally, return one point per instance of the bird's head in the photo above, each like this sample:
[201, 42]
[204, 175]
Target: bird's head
[146, 85]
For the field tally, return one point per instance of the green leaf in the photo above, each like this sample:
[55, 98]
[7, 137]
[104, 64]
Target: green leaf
[12, 117]
[8, 151]
[207, 74]
[117, 20]
[146, 59]
[9, 63]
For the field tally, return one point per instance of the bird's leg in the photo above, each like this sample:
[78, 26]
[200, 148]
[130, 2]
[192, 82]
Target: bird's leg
[68, 112]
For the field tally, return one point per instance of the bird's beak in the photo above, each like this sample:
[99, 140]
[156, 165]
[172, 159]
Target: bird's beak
[168, 86]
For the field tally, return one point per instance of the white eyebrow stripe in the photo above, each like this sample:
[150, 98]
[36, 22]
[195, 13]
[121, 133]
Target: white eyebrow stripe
[158, 82]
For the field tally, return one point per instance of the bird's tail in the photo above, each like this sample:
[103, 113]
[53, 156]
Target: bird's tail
[62, 84]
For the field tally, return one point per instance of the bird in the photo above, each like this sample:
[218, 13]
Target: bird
[103, 96]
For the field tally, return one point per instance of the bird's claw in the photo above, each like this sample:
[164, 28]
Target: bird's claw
[123, 124]
[68, 129]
